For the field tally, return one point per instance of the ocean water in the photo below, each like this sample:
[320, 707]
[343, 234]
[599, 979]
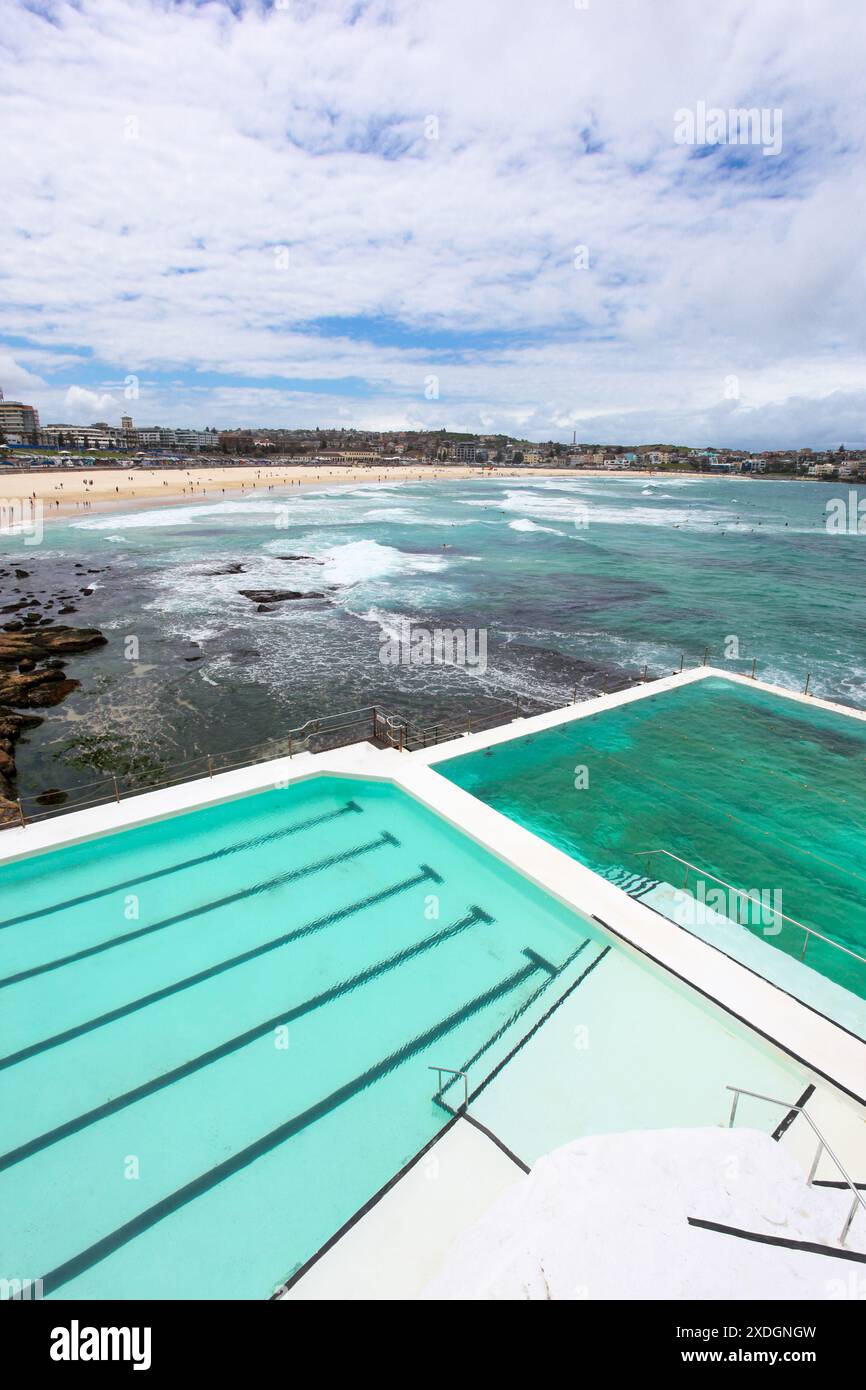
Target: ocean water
[766, 794]
[575, 581]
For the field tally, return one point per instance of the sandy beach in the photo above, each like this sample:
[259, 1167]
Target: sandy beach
[74, 490]
[67, 492]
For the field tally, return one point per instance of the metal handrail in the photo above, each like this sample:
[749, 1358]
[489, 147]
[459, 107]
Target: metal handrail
[741, 893]
[204, 765]
[822, 1145]
[451, 1071]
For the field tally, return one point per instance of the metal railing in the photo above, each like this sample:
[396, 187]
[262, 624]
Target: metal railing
[451, 1071]
[314, 735]
[741, 895]
[368, 723]
[822, 1147]
[447, 729]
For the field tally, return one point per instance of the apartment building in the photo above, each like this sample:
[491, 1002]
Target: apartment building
[19, 423]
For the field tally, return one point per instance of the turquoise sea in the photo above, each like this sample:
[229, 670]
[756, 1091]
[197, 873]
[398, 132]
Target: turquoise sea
[744, 787]
[575, 582]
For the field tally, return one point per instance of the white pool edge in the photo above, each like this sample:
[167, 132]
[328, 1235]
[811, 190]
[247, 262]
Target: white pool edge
[824, 1049]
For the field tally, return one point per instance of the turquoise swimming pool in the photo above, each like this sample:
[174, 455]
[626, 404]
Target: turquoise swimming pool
[702, 789]
[216, 1031]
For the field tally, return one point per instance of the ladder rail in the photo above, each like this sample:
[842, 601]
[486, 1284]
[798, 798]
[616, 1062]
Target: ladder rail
[741, 893]
[452, 1071]
[822, 1147]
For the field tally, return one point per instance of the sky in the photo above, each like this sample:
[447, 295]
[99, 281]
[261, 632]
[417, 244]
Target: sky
[477, 215]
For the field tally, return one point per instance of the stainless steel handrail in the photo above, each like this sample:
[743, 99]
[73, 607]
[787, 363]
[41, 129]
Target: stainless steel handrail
[450, 1071]
[822, 1145]
[741, 893]
[204, 765]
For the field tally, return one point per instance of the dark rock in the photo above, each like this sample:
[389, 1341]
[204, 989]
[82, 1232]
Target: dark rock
[47, 641]
[11, 727]
[300, 557]
[22, 574]
[28, 664]
[276, 595]
[52, 796]
[235, 568]
[36, 690]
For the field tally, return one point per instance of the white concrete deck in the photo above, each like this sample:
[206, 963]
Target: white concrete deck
[399, 1244]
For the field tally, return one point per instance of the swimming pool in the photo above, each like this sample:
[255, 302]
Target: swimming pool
[216, 1031]
[718, 783]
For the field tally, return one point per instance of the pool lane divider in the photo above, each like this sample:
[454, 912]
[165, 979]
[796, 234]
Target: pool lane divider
[553, 973]
[101, 1249]
[290, 876]
[136, 882]
[539, 1023]
[260, 1030]
[425, 875]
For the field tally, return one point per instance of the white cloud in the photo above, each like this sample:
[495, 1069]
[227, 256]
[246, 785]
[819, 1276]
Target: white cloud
[81, 406]
[158, 155]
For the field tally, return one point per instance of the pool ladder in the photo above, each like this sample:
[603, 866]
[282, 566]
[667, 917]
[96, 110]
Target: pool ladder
[451, 1071]
[822, 1146]
[740, 895]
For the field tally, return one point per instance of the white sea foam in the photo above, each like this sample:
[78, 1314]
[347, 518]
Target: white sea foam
[177, 516]
[524, 524]
[559, 505]
[358, 561]
[396, 516]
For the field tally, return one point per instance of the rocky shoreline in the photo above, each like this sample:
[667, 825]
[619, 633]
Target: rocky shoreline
[34, 653]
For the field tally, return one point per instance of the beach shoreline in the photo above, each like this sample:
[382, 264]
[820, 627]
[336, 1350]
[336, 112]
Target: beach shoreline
[73, 491]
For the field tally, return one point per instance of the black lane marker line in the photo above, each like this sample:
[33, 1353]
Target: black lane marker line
[509, 1153]
[552, 970]
[123, 1010]
[101, 1249]
[473, 1095]
[838, 1183]
[509, 1022]
[185, 864]
[809, 1246]
[386, 838]
[224, 1049]
[787, 1120]
[726, 1008]
[353, 1220]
